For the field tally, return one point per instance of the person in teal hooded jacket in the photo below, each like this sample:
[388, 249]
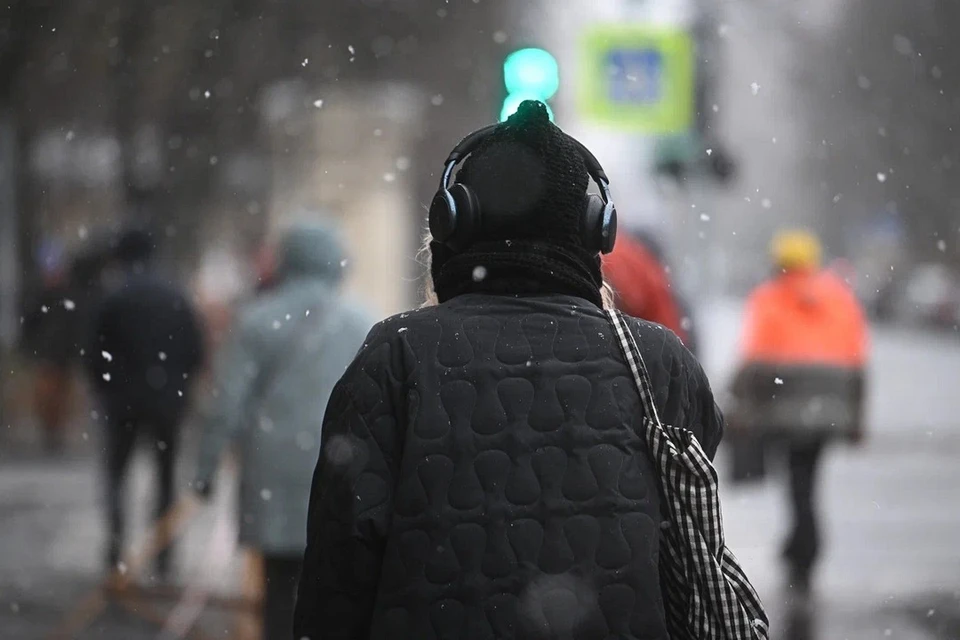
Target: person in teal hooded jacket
[273, 378]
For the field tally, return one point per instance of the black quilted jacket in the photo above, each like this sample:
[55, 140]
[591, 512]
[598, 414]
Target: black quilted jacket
[482, 476]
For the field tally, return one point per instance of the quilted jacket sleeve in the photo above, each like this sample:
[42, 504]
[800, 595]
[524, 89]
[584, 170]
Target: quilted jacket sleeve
[704, 415]
[681, 386]
[351, 499]
[697, 408]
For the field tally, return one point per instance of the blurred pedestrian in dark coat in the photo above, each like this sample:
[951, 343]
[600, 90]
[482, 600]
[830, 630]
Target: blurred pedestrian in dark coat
[147, 346]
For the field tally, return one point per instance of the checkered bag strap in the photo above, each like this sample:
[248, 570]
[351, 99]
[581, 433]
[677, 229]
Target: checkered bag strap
[706, 593]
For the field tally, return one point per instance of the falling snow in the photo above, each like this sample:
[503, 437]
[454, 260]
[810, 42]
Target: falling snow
[881, 177]
[902, 45]
[318, 103]
[479, 273]
[69, 304]
[106, 356]
[755, 88]
[305, 441]
[339, 451]
[106, 377]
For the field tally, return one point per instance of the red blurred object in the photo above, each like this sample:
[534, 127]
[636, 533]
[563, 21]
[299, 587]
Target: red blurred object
[641, 285]
[805, 317]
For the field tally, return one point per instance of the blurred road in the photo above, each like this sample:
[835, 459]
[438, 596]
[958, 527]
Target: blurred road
[892, 514]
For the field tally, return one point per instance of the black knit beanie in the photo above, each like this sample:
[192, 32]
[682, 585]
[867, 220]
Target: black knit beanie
[531, 171]
[533, 177]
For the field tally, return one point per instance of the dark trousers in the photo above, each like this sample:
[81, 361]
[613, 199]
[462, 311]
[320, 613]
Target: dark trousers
[803, 544]
[281, 574]
[121, 436]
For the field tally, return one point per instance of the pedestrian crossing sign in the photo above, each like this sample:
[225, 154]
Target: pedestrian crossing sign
[637, 78]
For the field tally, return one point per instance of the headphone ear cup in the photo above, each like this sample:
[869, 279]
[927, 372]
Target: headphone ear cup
[468, 216]
[599, 225]
[591, 233]
[443, 216]
[608, 228]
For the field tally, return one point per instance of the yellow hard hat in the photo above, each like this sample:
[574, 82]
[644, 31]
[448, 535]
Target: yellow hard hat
[796, 249]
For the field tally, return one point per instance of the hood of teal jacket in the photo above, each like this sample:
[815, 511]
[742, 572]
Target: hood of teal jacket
[312, 251]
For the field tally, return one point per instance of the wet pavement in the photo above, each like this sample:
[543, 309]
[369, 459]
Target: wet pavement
[891, 519]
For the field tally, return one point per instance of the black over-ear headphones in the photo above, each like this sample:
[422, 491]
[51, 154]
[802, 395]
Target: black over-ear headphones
[456, 214]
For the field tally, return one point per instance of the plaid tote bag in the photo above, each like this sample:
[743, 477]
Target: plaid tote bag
[706, 594]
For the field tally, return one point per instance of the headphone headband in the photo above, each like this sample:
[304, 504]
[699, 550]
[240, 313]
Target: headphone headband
[456, 213]
[472, 141]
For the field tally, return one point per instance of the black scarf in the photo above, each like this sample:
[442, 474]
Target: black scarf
[516, 267]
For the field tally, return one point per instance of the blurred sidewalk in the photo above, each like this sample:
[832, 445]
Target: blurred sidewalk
[891, 520]
[52, 557]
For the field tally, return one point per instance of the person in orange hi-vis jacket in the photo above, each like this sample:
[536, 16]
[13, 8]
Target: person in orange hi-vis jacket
[641, 286]
[801, 382]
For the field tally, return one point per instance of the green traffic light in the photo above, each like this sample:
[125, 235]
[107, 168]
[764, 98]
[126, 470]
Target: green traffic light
[512, 103]
[533, 73]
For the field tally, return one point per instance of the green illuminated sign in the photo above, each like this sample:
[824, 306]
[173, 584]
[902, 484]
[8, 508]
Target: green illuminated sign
[529, 74]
